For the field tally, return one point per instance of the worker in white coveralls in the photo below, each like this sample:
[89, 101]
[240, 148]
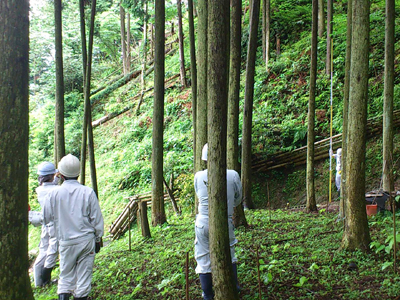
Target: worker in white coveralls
[79, 226]
[338, 157]
[201, 244]
[48, 247]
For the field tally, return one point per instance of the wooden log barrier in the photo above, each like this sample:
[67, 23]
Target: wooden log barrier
[134, 210]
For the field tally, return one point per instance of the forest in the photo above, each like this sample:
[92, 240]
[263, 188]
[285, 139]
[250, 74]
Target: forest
[276, 88]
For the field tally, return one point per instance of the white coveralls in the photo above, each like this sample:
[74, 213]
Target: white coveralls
[234, 197]
[78, 222]
[48, 251]
[338, 176]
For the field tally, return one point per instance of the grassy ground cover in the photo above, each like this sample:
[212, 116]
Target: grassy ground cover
[299, 256]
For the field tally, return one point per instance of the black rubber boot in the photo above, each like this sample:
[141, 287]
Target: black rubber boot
[46, 275]
[64, 296]
[206, 286]
[235, 275]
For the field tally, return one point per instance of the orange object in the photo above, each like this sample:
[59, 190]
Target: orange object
[372, 209]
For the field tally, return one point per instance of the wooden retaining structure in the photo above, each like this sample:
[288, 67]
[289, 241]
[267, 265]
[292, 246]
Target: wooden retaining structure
[129, 214]
[321, 148]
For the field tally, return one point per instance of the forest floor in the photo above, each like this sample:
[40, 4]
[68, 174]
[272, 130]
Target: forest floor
[299, 257]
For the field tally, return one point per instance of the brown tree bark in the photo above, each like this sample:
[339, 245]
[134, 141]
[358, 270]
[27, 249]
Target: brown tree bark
[356, 233]
[234, 86]
[193, 73]
[144, 222]
[201, 117]
[123, 38]
[157, 205]
[128, 42]
[181, 46]
[329, 31]
[93, 175]
[84, 64]
[59, 82]
[278, 45]
[239, 217]
[248, 105]
[144, 51]
[87, 131]
[321, 18]
[343, 185]
[266, 31]
[311, 202]
[218, 67]
[388, 98]
[14, 129]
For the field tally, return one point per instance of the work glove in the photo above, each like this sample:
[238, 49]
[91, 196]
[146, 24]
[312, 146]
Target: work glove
[98, 245]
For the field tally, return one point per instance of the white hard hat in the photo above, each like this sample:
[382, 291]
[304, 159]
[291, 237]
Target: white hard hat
[204, 152]
[69, 166]
[339, 151]
[46, 168]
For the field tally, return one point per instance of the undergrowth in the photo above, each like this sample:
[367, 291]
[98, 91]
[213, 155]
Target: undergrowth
[299, 256]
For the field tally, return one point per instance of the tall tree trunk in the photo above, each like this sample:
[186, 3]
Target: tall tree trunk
[157, 205]
[218, 66]
[152, 40]
[93, 175]
[14, 128]
[234, 86]
[59, 82]
[181, 47]
[311, 203]
[321, 18]
[278, 44]
[87, 131]
[233, 100]
[266, 30]
[263, 17]
[388, 98]
[84, 63]
[329, 31]
[356, 232]
[128, 43]
[144, 51]
[201, 118]
[248, 105]
[343, 185]
[123, 40]
[193, 73]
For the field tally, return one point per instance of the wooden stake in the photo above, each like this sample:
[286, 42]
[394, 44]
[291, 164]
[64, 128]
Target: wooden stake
[130, 214]
[187, 275]
[258, 274]
[269, 203]
[394, 230]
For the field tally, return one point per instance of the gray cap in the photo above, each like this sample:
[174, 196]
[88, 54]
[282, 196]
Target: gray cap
[46, 168]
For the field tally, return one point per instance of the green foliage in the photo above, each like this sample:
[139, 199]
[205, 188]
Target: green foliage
[297, 253]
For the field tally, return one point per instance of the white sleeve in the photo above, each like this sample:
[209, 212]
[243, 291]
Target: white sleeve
[47, 210]
[195, 182]
[96, 217]
[238, 190]
[35, 217]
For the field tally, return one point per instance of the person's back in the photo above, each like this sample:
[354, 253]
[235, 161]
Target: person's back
[76, 206]
[233, 189]
[79, 226]
[48, 247]
[202, 249]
